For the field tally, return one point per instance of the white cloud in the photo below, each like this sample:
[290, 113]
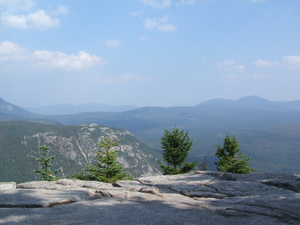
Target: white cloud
[160, 4]
[160, 24]
[112, 43]
[8, 48]
[68, 62]
[234, 77]
[226, 63]
[258, 1]
[187, 2]
[151, 23]
[144, 38]
[17, 5]
[291, 60]
[237, 72]
[126, 78]
[13, 54]
[288, 62]
[61, 10]
[13, 15]
[238, 68]
[136, 13]
[260, 76]
[167, 28]
[37, 20]
[230, 65]
[262, 63]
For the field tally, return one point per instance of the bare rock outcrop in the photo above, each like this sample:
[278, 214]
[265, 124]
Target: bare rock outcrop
[7, 185]
[194, 198]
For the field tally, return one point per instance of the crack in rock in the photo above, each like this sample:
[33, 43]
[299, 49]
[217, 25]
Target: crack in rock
[203, 194]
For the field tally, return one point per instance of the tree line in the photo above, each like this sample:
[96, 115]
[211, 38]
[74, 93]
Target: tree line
[176, 145]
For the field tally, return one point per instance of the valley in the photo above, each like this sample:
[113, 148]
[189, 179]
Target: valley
[269, 132]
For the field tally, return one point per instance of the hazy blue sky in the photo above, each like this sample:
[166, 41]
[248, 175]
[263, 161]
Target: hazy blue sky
[148, 52]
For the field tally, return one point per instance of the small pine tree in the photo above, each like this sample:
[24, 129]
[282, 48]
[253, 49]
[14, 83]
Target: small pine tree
[203, 164]
[106, 168]
[231, 159]
[176, 146]
[45, 173]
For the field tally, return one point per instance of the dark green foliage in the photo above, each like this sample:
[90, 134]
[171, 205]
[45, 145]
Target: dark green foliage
[106, 168]
[231, 159]
[176, 146]
[45, 173]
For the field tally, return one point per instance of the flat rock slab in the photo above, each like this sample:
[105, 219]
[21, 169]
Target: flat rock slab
[64, 184]
[194, 198]
[111, 211]
[7, 185]
[24, 198]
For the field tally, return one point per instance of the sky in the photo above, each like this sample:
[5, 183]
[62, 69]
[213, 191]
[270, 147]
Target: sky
[148, 52]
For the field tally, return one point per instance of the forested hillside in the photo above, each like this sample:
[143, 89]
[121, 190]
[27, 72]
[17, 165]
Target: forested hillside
[72, 147]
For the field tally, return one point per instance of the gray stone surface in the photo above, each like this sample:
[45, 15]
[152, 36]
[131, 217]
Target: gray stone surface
[195, 198]
[7, 185]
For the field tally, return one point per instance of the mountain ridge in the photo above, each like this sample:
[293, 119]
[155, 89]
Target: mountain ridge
[74, 109]
[256, 102]
[208, 124]
[248, 101]
[11, 109]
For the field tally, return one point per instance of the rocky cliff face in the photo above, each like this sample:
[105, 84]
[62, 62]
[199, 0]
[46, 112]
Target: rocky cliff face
[195, 198]
[72, 146]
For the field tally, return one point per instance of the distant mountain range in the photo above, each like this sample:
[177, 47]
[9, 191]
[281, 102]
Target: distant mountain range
[268, 131]
[73, 109]
[9, 110]
[256, 102]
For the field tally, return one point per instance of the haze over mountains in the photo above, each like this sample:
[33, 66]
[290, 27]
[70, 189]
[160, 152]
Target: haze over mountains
[256, 103]
[250, 101]
[268, 131]
[73, 109]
